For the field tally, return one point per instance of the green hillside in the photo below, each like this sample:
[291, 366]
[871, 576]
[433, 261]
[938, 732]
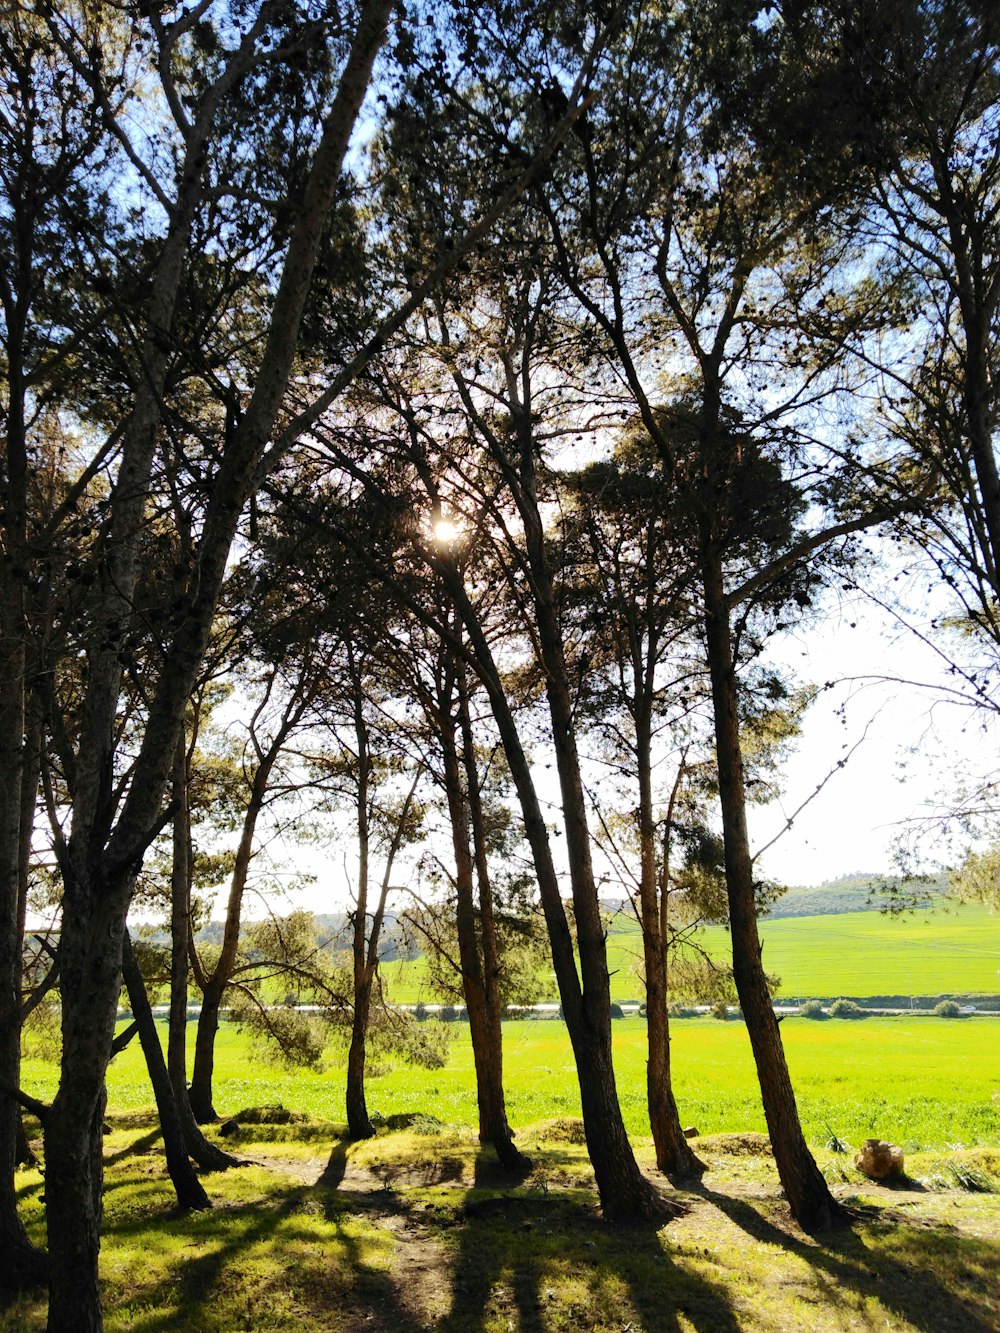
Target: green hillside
[954, 950]
[856, 893]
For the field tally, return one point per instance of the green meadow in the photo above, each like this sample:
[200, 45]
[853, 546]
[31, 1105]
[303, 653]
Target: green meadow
[944, 951]
[922, 1082]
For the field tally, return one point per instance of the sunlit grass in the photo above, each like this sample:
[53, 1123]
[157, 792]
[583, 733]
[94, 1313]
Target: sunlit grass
[921, 1081]
[954, 951]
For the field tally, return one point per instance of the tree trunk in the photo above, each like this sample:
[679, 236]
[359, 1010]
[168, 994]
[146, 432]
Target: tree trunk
[90, 953]
[358, 1123]
[484, 1025]
[624, 1190]
[189, 1189]
[674, 1155]
[23, 1264]
[811, 1202]
[209, 1156]
[500, 1133]
[204, 1053]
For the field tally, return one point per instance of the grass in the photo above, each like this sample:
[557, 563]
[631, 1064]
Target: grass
[412, 1232]
[920, 1081]
[953, 950]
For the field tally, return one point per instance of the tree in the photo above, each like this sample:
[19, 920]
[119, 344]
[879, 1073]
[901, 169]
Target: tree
[637, 626]
[99, 858]
[256, 113]
[701, 219]
[50, 142]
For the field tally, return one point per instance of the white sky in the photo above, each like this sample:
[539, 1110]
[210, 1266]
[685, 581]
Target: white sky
[911, 752]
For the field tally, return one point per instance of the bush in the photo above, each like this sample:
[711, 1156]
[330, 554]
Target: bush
[720, 1010]
[947, 1009]
[813, 1009]
[846, 1009]
[616, 1010]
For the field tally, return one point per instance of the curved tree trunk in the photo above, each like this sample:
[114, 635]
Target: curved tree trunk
[209, 1156]
[203, 1070]
[189, 1189]
[812, 1204]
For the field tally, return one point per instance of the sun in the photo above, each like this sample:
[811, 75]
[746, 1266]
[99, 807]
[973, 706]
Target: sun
[445, 532]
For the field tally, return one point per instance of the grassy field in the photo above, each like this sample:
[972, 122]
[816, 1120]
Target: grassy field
[854, 953]
[924, 1082]
[418, 1230]
[415, 1231]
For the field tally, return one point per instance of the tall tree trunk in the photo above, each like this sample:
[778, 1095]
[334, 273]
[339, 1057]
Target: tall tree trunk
[214, 985]
[624, 1191]
[209, 1156]
[90, 952]
[25, 1265]
[811, 1202]
[189, 1189]
[484, 1018]
[674, 1155]
[358, 1122]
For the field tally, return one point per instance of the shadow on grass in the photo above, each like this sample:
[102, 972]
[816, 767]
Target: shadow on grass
[907, 1285]
[320, 1289]
[135, 1148]
[534, 1257]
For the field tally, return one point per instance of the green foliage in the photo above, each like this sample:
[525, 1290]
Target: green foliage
[947, 1009]
[813, 1009]
[846, 1009]
[978, 878]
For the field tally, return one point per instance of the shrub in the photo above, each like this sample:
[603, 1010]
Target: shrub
[616, 1010]
[813, 1009]
[846, 1009]
[947, 1009]
[720, 1010]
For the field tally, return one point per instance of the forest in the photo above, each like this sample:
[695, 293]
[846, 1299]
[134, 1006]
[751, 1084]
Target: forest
[420, 420]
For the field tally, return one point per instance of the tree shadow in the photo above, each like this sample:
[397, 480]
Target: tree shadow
[354, 1282]
[134, 1148]
[522, 1255]
[489, 1173]
[842, 1262]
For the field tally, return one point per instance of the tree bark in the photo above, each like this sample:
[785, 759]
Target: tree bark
[812, 1204]
[481, 1005]
[674, 1155]
[624, 1191]
[358, 1122]
[203, 1070]
[209, 1156]
[189, 1189]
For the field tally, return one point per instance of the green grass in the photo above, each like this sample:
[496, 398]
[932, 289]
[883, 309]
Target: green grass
[920, 1081]
[953, 951]
[418, 1232]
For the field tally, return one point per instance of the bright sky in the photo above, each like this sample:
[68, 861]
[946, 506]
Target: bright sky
[905, 751]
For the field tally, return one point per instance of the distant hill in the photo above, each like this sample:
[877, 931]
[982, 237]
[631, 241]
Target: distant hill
[857, 893]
